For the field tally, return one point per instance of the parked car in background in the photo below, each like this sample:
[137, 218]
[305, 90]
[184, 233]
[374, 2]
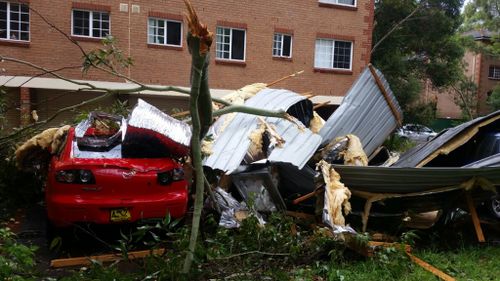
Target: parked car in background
[89, 180]
[416, 132]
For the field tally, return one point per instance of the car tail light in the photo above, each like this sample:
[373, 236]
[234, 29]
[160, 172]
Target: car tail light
[166, 178]
[75, 176]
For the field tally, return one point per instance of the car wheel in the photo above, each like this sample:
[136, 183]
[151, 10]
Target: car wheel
[494, 206]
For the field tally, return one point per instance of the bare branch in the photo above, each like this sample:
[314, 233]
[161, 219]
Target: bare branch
[396, 26]
[40, 123]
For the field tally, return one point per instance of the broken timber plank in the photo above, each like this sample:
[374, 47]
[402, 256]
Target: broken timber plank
[380, 85]
[430, 268]
[370, 247]
[57, 263]
[475, 218]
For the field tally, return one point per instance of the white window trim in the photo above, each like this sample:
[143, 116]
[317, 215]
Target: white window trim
[91, 23]
[495, 69]
[335, 2]
[231, 44]
[333, 54]
[281, 48]
[8, 25]
[165, 20]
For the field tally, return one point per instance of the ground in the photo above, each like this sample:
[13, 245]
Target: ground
[453, 249]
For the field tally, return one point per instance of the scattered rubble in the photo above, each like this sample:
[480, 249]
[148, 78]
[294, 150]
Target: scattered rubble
[271, 162]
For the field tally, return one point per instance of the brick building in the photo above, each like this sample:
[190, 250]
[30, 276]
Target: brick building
[482, 69]
[256, 41]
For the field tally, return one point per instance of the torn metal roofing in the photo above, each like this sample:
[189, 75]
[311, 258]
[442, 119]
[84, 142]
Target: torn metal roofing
[231, 146]
[365, 112]
[491, 161]
[410, 180]
[453, 137]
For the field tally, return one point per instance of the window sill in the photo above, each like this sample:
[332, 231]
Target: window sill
[493, 78]
[86, 39]
[334, 71]
[165, 47]
[282, 59]
[337, 6]
[15, 43]
[230, 62]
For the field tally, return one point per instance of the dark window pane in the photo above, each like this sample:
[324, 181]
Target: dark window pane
[25, 17]
[25, 36]
[287, 44]
[96, 24]
[25, 27]
[14, 35]
[24, 8]
[14, 16]
[238, 46]
[174, 33]
[81, 23]
[96, 33]
[3, 28]
[342, 55]
[105, 25]
[105, 16]
[3, 6]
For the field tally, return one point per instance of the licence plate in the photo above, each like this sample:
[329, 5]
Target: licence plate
[118, 215]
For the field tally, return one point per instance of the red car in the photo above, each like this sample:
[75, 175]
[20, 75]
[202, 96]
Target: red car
[85, 185]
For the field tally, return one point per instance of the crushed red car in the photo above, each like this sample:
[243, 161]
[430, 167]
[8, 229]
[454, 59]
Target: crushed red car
[100, 175]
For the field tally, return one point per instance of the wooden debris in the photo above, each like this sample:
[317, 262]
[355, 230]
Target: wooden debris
[371, 246]
[79, 261]
[430, 268]
[475, 218]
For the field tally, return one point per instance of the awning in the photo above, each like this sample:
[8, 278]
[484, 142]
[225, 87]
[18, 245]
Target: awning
[59, 84]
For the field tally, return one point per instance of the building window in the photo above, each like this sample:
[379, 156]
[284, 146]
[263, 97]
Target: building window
[230, 43]
[164, 32]
[340, 2]
[14, 21]
[90, 23]
[333, 54]
[282, 46]
[494, 72]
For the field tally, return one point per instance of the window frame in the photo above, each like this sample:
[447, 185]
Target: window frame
[166, 20]
[496, 70]
[8, 23]
[333, 54]
[91, 23]
[336, 2]
[282, 44]
[231, 44]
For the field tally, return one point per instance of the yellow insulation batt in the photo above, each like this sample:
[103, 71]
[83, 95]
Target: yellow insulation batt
[241, 95]
[316, 123]
[354, 155]
[49, 140]
[337, 195]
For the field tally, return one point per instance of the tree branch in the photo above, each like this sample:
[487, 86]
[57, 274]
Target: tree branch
[252, 253]
[396, 26]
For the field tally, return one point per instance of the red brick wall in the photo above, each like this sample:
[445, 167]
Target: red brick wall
[171, 66]
[25, 105]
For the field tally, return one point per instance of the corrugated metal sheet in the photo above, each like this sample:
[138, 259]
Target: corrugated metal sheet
[409, 180]
[364, 112]
[232, 144]
[492, 161]
[416, 155]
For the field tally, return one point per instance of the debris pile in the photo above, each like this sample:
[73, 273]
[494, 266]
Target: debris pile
[303, 163]
[324, 167]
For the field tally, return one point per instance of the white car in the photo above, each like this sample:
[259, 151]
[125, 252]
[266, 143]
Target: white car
[416, 132]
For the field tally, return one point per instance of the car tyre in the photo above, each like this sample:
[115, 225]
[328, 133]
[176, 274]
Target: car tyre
[494, 206]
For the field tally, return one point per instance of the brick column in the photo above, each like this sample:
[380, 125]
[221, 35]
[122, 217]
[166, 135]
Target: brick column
[25, 106]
